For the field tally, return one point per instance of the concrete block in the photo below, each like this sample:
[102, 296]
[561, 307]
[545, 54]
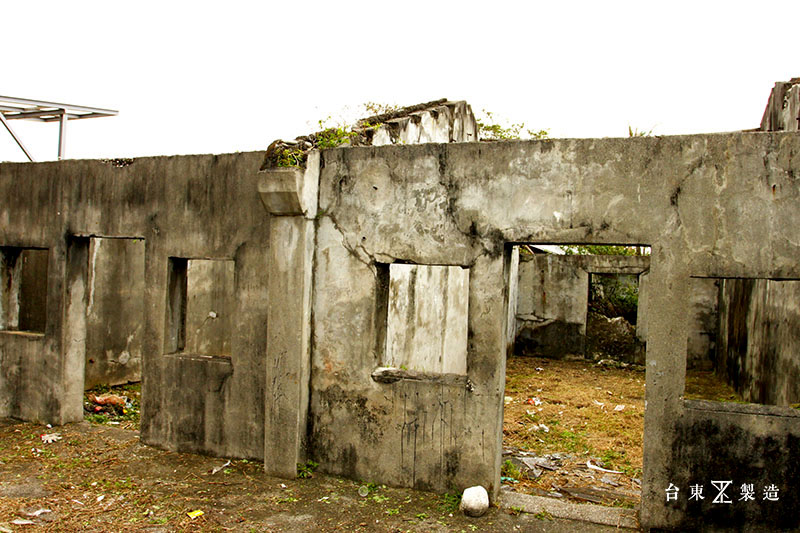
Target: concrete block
[290, 190]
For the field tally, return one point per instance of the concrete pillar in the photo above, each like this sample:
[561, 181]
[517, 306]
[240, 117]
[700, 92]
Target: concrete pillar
[290, 197]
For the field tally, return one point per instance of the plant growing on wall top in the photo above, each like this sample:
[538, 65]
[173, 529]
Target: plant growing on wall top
[491, 128]
[604, 249]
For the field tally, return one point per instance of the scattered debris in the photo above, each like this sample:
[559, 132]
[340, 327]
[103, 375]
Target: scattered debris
[619, 408]
[195, 514]
[223, 467]
[608, 480]
[599, 469]
[50, 437]
[534, 401]
[38, 512]
[23, 522]
[107, 399]
[508, 400]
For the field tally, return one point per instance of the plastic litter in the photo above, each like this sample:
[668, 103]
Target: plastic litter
[619, 408]
[218, 468]
[39, 512]
[599, 469]
[195, 514]
[51, 437]
[22, 522]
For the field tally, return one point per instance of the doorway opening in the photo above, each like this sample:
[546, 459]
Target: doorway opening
[575, 376]
[105, 317]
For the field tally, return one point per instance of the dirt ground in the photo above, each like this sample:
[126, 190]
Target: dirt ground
[564, 413]
[99, 477]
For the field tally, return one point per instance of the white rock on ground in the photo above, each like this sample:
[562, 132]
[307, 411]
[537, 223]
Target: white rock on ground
[474, 501]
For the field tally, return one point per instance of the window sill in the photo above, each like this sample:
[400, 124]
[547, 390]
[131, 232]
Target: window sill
[30, 334]
[223, 359]
[742, 408]
[385, 374]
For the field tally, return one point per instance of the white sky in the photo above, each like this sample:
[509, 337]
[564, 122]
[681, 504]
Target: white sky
[215, 77]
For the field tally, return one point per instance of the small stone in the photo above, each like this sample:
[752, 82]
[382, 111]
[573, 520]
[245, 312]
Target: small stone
[474, 501]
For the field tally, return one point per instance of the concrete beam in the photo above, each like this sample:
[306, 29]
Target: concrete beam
[290, 196]
[291, 190]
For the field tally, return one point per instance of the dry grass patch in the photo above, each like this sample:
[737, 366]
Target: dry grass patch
[588, 411]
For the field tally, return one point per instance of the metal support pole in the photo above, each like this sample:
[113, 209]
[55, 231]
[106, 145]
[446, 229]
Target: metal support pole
[62, 134]
[14, 135]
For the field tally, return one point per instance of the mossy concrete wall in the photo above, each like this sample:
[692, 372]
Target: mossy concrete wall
[759, 339]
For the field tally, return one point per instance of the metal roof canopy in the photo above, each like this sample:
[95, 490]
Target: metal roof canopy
[22, 108]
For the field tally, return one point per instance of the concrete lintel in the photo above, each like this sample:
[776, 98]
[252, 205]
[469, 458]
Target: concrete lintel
[291, 191]
[288, 360]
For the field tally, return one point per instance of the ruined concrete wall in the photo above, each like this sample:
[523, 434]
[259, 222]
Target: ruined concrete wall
[554, 296]
[182, 209]
[443, 123]
[745, 444]
[460, 205]
[448, 205]
[759, 320]
[702, 341]
[783, 107]
[115, 311]
[551, 309]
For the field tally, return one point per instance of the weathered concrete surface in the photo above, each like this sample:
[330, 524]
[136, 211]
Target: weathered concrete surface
[454, 205]
[759, 321]
[783, 107]
[289, 202]
[596, 514]
[553, 298]
[427, 318]
[744, 444]
[23, 289]
[443, 123]
[115, 311]
[702, 342]
[195, 207]
[461, 205]
[209, 311]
